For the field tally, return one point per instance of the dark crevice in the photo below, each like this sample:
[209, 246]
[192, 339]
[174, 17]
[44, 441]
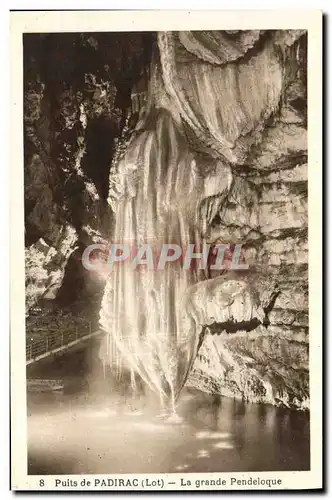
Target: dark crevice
[100, 134]
[270, 306]
[233, 327]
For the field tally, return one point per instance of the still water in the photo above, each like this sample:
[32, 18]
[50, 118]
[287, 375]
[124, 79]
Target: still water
[79, 434]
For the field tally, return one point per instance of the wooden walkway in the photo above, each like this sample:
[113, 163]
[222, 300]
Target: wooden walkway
[57, 342]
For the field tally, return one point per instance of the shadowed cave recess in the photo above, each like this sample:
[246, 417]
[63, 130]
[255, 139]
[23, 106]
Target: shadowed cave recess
[182, 137]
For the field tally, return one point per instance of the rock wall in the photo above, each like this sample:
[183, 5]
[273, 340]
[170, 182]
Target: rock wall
[246, 104]
[76, 107]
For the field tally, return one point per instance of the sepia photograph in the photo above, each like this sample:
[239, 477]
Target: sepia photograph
[166, 256]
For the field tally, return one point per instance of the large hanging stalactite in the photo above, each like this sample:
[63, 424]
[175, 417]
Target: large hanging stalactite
[234, 98]
[156, 194]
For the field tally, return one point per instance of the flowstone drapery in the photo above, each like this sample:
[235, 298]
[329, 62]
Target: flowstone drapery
[218, 156]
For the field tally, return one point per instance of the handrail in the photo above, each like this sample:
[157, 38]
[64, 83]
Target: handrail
[57, 341]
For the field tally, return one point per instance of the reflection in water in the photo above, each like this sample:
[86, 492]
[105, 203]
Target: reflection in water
[75, 436]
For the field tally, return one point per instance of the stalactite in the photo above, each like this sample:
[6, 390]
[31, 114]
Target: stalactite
[222, 164]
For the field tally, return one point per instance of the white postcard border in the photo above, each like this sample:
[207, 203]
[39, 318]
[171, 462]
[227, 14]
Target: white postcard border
[60, 21]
